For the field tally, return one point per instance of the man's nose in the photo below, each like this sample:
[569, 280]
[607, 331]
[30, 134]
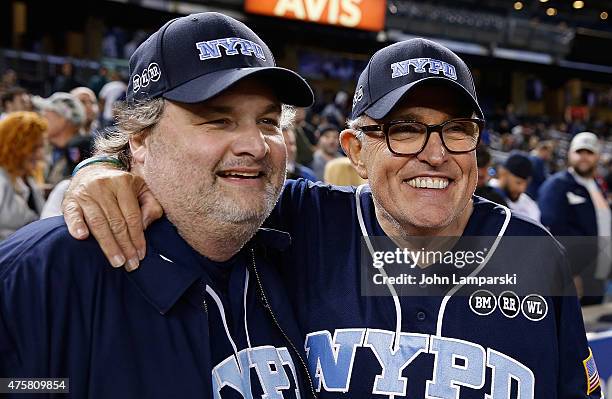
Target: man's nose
[434, 152]
[250, 141]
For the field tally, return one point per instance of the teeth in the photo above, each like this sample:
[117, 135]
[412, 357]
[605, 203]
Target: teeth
[240, 174]
[428, 182]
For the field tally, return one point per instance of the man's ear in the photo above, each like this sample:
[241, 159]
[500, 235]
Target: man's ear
[138, 148]
[352, 147]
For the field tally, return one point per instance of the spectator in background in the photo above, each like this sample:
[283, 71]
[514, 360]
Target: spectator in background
[327, 149]
[483, 189]
[335, 113]
[96, 82]
[607, 178]
[15, 99]
[294, 169]
[131, 46]
[109, 94]
[78, 149]
[540, 157]
[572, 204]
[513, 177]
[340, 172]
[88, 98]
[303, 122]
[66, 81]
[65, 115]
[8, 80]
[305, 137]
[21, 149]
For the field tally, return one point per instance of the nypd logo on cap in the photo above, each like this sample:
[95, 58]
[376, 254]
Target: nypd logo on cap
[193, 58]
[395, 69]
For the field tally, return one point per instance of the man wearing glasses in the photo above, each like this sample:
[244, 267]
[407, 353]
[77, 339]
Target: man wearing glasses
[413, 132]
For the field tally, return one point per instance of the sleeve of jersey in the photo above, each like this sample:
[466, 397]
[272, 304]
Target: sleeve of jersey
[23, 316]
[301, 202]
[283, 213]
[578, 376]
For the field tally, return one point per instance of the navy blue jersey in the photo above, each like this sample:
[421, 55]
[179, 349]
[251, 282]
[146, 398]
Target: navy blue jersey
[425, 346]
[180, 326]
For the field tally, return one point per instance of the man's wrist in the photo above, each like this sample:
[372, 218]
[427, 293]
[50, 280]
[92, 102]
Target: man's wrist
[99, 159]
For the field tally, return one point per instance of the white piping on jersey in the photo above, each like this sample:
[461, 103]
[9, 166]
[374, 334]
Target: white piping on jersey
[398, 307]
[219, 304]
[396, 302]
[246, 326]
[456, 288]
[166, 259]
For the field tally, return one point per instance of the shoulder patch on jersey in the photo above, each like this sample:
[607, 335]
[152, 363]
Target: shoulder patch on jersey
[592, 376]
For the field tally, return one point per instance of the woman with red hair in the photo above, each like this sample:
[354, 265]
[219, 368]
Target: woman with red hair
[21, 148]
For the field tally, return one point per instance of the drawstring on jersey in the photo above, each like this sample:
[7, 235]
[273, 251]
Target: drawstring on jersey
[219, 304]
[396, 302]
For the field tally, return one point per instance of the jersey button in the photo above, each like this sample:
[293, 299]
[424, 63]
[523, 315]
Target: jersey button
[421, 316]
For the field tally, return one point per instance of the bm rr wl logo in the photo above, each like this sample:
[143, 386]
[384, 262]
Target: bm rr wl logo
[483, 302]
[534, 307]
[152, 73]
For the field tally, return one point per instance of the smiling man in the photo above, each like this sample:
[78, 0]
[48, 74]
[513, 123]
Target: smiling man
[413, 132]
[206, 315]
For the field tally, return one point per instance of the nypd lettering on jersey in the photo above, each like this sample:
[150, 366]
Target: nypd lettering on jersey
[268, 363]
[418, 65]
[457, 363]
[211, 49]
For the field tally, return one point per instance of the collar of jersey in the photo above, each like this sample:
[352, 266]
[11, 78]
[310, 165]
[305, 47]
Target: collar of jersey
[171, 266]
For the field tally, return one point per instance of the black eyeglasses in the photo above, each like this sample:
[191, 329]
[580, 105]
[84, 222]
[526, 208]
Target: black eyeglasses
[410, 138]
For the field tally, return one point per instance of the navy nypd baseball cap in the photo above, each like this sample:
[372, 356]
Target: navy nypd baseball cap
[395, 69]
[194, 58]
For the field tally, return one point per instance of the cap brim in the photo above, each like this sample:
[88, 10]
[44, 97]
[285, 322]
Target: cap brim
[587, 147]
[290, 88]
[385, 104]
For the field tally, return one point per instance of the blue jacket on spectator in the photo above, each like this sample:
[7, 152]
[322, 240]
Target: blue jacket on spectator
[563, 210]
[569, 213]
[540, 173]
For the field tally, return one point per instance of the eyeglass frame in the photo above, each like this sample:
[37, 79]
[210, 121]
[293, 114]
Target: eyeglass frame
[384, 129]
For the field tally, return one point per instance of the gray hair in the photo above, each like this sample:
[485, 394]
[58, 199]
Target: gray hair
[136, 120]
[355, 124]
[132, 120]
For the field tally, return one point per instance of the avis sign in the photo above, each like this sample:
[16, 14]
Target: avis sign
[359, 14]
